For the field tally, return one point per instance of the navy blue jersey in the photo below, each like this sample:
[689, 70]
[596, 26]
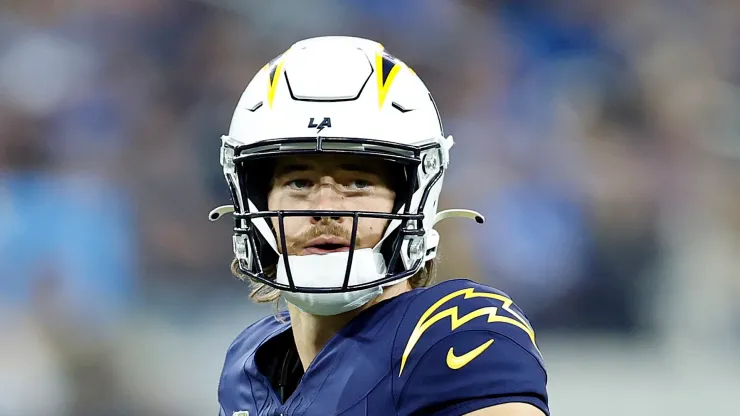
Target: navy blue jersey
[449, 349]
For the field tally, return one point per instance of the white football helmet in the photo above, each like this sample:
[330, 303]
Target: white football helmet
[337, 95]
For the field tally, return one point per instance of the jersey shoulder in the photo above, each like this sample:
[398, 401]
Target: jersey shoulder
[476, 341]
[462, 305]
[246, 343]
[240, 356]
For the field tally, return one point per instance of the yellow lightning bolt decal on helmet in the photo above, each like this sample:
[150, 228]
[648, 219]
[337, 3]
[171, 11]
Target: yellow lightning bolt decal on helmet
[386, 68]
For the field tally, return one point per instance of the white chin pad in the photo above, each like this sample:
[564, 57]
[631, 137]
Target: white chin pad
[328, 270]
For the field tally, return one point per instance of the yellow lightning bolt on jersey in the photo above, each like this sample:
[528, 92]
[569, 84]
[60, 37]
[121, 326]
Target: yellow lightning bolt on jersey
[429, 318]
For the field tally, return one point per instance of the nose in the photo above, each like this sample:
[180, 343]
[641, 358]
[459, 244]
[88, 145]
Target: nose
[327, 199]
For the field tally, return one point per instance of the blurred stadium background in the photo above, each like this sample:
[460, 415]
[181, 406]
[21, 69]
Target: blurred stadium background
[600, 138]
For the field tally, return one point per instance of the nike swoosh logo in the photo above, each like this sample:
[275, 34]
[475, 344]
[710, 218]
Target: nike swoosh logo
[456, 363]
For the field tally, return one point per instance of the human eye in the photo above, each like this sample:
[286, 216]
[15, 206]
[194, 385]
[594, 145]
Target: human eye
[359, 184]
[298, 184]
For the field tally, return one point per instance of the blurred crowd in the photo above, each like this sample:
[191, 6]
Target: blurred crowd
[601, 140]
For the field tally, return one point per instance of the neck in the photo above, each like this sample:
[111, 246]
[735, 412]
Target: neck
[312, 332]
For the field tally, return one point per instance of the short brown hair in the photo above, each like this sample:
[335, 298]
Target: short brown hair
[262, 293]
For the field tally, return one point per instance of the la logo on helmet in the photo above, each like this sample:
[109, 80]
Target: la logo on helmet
[326, 122]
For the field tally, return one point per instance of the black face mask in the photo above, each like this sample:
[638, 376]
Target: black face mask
[250, 162]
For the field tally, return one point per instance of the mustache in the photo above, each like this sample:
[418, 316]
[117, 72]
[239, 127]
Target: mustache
[323, 229]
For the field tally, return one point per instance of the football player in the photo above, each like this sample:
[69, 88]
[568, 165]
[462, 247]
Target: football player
[335, 159]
